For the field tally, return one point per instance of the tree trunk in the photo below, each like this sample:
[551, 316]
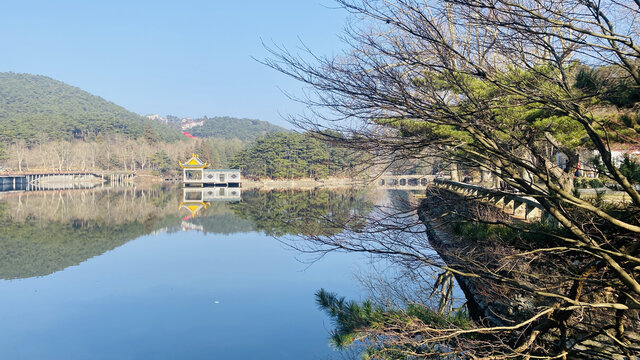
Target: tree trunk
[454, 171]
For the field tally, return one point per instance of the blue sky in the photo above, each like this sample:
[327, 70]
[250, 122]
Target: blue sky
[187, 58]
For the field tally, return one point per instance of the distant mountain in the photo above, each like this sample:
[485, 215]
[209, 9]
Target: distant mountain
[225, 127]
[33, 106]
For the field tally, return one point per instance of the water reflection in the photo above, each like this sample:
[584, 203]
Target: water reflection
[46, 232]
[312, 212]
[209, 283]
[196, 199]
[212, 286]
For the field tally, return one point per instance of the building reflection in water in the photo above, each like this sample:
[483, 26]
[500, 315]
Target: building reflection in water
[196, 199]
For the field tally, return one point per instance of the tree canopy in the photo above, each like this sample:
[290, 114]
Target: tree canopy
[293, 155]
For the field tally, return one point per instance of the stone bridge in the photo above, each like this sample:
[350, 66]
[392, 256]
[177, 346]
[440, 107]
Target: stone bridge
[404, 182]
[520, 207]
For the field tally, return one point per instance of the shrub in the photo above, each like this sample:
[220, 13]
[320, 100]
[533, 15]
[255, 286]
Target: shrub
[626, 120]
[595, 183]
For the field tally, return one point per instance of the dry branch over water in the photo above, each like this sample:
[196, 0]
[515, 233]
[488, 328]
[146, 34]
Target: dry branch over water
[507, 89]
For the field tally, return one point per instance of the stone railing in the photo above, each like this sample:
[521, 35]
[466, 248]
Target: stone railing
[520, 207]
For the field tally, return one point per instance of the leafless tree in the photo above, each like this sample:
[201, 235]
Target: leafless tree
[491, 85]
[18, 150]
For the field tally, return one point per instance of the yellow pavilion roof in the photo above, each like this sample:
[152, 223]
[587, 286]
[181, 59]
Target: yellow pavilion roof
[194, 207]
[194, 163]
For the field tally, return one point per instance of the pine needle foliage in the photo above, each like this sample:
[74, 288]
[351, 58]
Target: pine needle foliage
[355, 321]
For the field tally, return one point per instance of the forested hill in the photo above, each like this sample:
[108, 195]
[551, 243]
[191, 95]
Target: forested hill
[228, 128]
[38, 108]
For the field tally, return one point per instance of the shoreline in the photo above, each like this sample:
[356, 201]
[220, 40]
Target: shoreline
[146, 178]
[267, 184]
[271, 184]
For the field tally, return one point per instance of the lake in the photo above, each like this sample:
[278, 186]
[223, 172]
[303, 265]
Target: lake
[128, 274]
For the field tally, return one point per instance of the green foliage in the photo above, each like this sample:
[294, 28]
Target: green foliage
[349, 317]
[218, 152]
[161, 162]
[232, 128]
[630, 169]
[150, 134]
[33, 107]
[354, 321]
[459, 318]
[3, 152]
[507, 116]
[481, 231]
[609, 84]
[512, 116]
[626, 119]
[580, 183]
[291, 156]
[587, 80]
[595, 183]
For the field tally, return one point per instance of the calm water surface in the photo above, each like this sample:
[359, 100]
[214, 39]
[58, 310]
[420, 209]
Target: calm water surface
[128, 275]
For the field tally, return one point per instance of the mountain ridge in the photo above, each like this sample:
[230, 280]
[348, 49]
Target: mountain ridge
[36, 106]
[225, 127]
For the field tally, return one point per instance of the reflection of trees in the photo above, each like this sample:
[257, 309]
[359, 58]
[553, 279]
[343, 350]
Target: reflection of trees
[45, 233]
[109, 206]
[28, 249]
[219, 218]
[315, 212]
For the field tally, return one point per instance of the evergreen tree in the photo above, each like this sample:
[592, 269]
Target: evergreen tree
[150, 134]
[290, 156]
[162, 162]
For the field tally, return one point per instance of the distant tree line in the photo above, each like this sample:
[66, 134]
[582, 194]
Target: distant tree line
[228, 128]
[278, 155]
[291, 156]
[117, 153]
